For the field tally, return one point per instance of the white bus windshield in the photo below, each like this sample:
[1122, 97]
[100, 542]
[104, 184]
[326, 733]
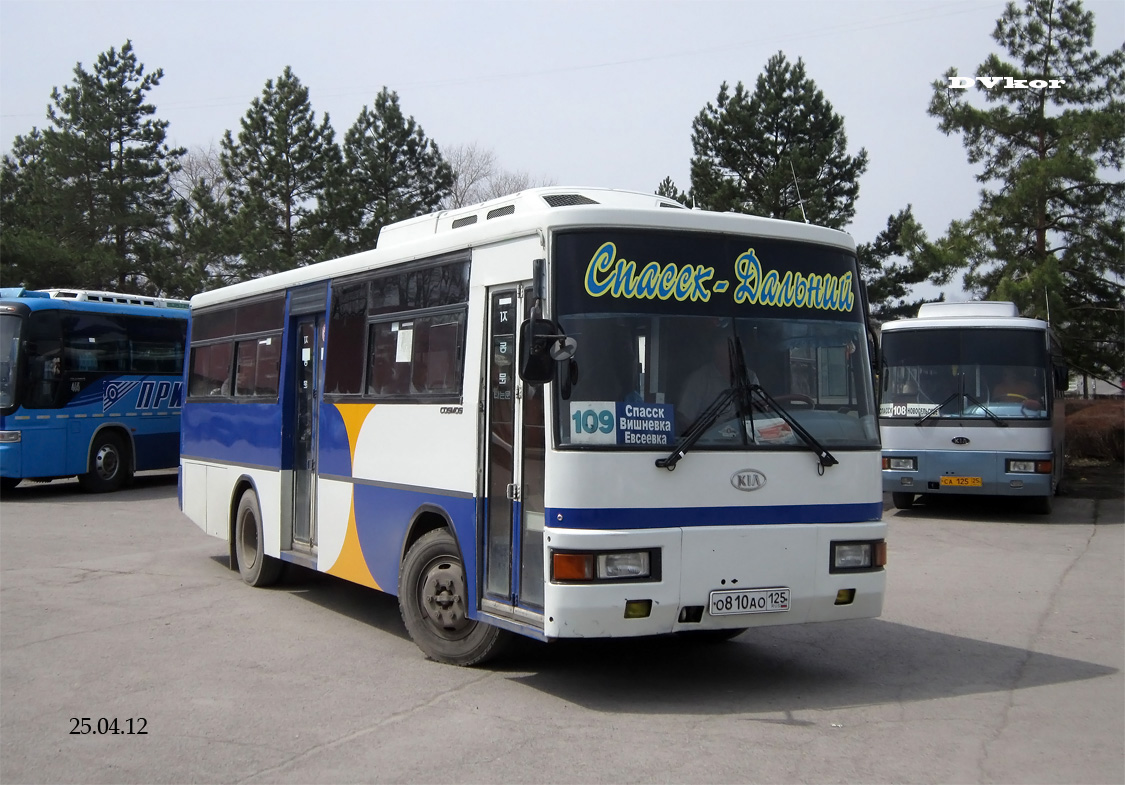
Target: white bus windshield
[653, 314]
[965, 372]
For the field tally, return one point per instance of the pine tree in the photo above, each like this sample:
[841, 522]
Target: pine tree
[393, 172]
[775, 150]
[668, 188]
[31, 253]
[1049, 231]
[96, 182]
[280, 169]
[899, 258]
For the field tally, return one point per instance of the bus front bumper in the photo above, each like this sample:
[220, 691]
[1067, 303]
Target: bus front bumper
[697, 561]
[11, 458]
[975, 473]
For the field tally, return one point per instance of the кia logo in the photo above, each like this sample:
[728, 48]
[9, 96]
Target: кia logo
[747, 479]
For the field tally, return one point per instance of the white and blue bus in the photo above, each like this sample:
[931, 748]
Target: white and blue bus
[972, 403]
[482, 416]
[91, 385]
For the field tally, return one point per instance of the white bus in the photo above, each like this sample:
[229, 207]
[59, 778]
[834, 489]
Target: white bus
[971, 403]
[482, 415]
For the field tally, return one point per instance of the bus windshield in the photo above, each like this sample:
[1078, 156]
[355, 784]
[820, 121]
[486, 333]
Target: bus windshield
[965, 372]
[654, 314]
[10, 325]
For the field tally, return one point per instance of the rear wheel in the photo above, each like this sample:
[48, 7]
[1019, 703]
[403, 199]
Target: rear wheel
[903, 501]
[109, 465]
[256, 568]
[8, 483]
[433, 598]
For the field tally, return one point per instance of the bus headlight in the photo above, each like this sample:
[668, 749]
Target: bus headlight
[1029, 467]
[855, 556]
[623, 565]
[901, 464]
[592, 566]
[10, 436]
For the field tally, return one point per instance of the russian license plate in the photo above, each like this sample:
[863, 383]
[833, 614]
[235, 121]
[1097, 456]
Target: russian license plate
[962, 482]
[727, 602]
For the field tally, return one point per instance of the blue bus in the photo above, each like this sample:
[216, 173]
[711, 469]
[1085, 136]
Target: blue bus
[972, 404]
[91, 385]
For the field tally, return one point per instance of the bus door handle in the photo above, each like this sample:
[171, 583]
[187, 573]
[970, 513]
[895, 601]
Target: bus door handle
[512, 492]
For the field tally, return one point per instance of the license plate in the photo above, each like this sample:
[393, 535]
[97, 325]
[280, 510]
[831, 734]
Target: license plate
[962, 482]
[731, 601]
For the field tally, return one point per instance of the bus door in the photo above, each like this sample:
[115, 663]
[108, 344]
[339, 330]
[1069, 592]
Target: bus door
[514, 454]
[309, 346]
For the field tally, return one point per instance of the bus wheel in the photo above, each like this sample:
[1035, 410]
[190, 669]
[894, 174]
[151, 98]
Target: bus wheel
[8, 483]
[1040, 505]
[109, 465]
[433, 598]
[903, 501]
[256, 568]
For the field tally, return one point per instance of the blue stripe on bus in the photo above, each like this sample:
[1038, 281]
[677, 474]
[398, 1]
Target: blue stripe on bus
[670, 517]
[382, 516]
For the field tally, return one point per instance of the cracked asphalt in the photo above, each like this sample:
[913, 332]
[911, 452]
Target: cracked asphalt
[998, 658]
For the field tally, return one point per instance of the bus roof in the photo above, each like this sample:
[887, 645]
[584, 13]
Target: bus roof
[978, 313]
[95, 302]
[529, 212]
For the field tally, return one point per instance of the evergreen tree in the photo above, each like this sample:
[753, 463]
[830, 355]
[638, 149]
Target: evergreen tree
[31, 253]
[770, 151]
[899, 258]
[280, 169]
[393, 172]
[1050, 228]
[97, 183]
[668, 188]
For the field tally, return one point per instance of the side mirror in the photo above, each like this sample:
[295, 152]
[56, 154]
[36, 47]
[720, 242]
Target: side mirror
[541, 346]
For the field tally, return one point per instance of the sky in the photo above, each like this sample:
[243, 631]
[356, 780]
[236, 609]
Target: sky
[573, 93]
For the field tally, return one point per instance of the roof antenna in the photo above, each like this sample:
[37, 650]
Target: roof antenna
[799, 201]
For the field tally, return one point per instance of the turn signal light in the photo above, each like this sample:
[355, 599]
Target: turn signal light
[572, 566]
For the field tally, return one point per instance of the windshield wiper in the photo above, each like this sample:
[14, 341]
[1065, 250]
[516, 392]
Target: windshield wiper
[937, 408]
[985, 409]
[739, 391]
[826, 458]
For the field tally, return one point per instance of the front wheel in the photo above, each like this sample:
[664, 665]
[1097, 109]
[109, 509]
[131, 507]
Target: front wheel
[433, 598]
[903, 501]
[109, 465]
[256, 568]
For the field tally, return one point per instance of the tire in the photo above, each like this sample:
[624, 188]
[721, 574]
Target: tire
[903, 501]
[9, 483]
[256, 568]
[433, 599]
[110, 467]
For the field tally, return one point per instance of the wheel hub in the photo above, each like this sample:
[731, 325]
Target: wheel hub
[105, 462]
[443, 596]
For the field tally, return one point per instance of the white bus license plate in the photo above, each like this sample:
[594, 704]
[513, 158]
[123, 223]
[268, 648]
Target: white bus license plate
[731, 601]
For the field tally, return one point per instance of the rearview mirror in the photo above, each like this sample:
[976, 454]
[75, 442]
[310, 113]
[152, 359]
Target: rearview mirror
[541, 346]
